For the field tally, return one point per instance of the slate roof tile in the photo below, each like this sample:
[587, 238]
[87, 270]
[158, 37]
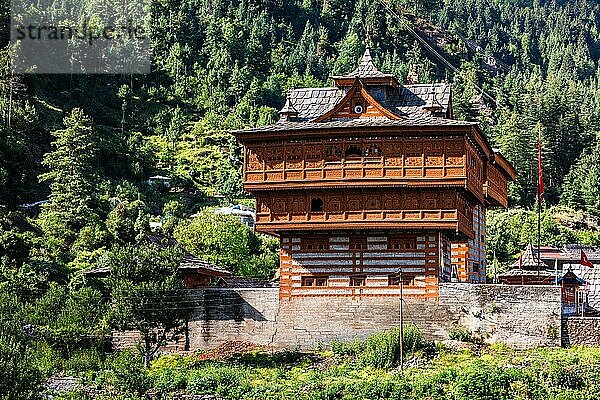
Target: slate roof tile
[423, 119]
[366, 69]
[410, 102]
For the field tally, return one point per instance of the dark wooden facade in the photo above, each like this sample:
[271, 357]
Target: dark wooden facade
[370, 176]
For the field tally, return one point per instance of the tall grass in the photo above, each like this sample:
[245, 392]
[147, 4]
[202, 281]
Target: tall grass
[382, 350]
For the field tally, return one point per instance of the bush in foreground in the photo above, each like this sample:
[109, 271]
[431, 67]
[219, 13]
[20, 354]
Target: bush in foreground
[382, 350]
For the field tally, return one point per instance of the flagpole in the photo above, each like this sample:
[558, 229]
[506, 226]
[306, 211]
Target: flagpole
[538, 239]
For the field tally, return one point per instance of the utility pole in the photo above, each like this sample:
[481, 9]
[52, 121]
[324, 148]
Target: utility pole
[401, 321]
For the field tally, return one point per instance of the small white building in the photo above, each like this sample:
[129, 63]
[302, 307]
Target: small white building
[158, 180]
[244, 213]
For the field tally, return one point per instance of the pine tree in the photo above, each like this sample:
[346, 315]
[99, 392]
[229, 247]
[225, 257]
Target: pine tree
[582, 185]
[73, 178]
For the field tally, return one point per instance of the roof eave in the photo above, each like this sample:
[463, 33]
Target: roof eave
[361, 130]
[507, 168]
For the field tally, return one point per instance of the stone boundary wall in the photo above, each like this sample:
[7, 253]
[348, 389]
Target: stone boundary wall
[581, 331]
[520, 316]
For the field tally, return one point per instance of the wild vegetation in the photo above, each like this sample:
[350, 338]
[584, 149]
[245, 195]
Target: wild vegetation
[88, 144]
[434, 372]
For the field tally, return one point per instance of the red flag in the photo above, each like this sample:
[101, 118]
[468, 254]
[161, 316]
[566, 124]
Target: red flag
[521, 261]
[540, 169]
[585, 261]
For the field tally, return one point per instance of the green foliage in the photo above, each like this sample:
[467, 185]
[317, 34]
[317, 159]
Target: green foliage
[64, 317]
[217, 379]
[484, 382]
[83, 361]
[562, 377]
[534, 375]
[549, 89]
[382, 350]
[225, 241]
[461, 334]
[20, 378]
[169, 373]
[73, 176]
[19, 273]
[147, 294]
[130, 375]
[128, 222]
[582, 185]
[509, 231]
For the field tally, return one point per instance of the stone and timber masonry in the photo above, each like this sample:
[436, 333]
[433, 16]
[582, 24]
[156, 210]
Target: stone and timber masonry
[370, 177]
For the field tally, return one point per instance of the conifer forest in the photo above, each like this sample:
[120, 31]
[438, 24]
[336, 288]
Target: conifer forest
[77, 153]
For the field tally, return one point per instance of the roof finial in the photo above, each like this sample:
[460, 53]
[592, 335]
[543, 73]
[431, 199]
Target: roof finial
[412, 78]
[288, 113]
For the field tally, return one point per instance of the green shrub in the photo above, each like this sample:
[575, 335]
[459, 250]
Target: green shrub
[169, 373]
[480, 381]
[382, 350]
[347, 349]
[169, 380]
[413, 338]
[461, 334]
[562, 377]
[129, 372]
[214, 379]
[82, 361]
[434, 386]
[259, 358]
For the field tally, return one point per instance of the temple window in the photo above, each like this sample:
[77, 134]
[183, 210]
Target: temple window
[314, 281]
[393, 280]
[333, 153]
[357, 281]
[373, 151]
[316, 205]
[353, 151]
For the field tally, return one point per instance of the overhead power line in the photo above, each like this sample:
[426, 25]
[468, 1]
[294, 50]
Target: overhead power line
[430, 48]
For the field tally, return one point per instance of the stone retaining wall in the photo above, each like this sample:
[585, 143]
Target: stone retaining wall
[581, 331]
[520, 316]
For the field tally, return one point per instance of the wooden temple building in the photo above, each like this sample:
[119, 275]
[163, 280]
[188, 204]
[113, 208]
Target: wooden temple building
[528, 270]
[553, 267]
[370, 177]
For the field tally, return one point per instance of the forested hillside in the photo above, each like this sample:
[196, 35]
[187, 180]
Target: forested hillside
[89, 143]
[222, 65]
